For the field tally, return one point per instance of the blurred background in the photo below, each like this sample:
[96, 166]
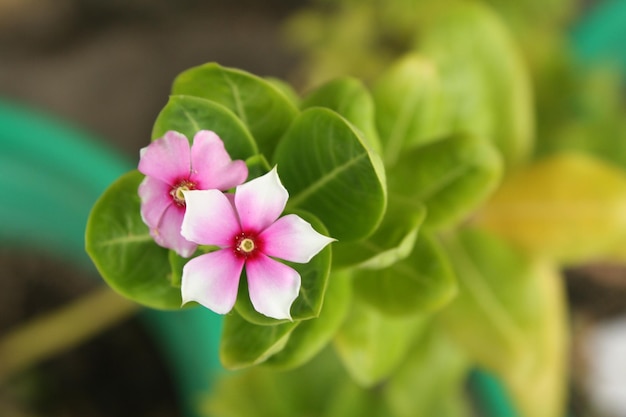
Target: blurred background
[107, 67]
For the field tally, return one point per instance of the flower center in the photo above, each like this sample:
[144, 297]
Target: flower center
[177, 191]
[246, 245]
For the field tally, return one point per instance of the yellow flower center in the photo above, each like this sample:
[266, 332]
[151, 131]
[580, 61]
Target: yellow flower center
[246, 245]
[178, 189]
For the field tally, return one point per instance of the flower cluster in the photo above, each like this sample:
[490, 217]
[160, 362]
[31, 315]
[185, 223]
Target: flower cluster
[185, 203]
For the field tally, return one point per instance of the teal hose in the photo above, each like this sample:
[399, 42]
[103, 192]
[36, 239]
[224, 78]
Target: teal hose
[600, 36]
[50, 175]
[490, 395]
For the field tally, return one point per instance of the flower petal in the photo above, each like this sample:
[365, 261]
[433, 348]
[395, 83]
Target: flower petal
[260, 201]
[273, 286]
[293, 239]
[211, 166]
[168, 235]
[167, 158]
[212, 280]
[155, 199]
[210, 218]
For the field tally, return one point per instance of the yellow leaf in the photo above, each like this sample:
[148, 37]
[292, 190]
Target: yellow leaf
[539, 387]
[570, 208]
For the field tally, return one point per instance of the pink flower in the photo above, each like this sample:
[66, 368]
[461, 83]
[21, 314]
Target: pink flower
[171, 167]
[248, 232]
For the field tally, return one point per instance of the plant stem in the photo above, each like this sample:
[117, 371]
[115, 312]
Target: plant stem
[61, 330]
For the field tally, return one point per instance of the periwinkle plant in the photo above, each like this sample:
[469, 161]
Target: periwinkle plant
[406, 281]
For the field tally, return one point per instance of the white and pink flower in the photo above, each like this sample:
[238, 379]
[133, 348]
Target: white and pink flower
[172, 167]
[247, 229]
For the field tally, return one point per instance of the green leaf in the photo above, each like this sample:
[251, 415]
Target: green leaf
[286, 89]
[245, 344]
[410, 106]
[261, 391]
[451, 177]
[314, 276]
[431, 381]
[329, 172]
[423, 282]
[188, 115]
[487, 88]
[177, 263]
[263, 108]
[372, 345]
[493, 291]
[348, 97]
[120, 246]
[257, 166]
[320, 388]
[352, 400]
[312, 335]
[510, 317]
[392, 241]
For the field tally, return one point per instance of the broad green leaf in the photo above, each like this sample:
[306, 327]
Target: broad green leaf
[257, 166]
[431, 381]
[312, 335]
[188, 115]
[452, 177]
[494, 291]
[423, 282]
[263, 392]
[541, 388]
[263, 108]
[487, 87]
[251, 392]
[329, 172]
[568, 207]
[348, 97]
[314, 276]
[372, 345]
[392, 241]
[410, 106]
[352, 400]
[519, 306]
[245, 344]
[286, 89]
[177, 263]
[320, 388]
[120, 246]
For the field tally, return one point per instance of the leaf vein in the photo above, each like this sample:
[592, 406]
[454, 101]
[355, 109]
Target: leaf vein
[126, 239]
[193, 121]
[484, 297]
[303, 195]
[445, 181]
[237, 99]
